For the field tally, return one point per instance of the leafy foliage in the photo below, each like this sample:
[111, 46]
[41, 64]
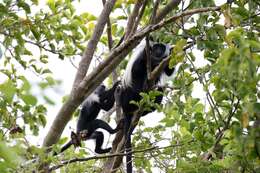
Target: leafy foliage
[211, 111]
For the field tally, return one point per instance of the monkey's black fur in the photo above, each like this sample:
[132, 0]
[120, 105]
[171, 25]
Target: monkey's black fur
[87, 124]
[135, 82]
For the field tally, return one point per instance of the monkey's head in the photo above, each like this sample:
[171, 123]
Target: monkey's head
[159, 51]
[100, 89]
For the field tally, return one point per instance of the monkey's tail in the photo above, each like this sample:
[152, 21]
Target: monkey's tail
[65, 147]
[128, 146]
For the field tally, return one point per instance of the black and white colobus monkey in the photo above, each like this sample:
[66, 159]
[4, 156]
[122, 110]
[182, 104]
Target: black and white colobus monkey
[88, 123]
[135, 82]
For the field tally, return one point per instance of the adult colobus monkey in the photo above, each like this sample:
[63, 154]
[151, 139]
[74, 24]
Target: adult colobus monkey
[87, 124]
[135, 82]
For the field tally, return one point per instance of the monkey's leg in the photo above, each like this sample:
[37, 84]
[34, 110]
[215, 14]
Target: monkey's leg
[128, 130]
[99, 137]
[95, 124]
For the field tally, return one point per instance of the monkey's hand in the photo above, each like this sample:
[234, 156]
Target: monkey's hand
[83, 135]
[75, 140]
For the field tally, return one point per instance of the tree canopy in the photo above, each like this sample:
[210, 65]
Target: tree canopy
[210, 117]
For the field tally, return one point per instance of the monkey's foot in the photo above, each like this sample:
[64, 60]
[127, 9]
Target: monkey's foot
[75, 140]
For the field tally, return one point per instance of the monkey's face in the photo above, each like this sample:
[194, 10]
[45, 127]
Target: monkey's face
[159, 51]
[100, 89]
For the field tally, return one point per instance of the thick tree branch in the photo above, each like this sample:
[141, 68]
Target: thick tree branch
[163, 12]
[92, 44]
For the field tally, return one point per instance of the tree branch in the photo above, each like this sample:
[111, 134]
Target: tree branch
[92, 44]
[220, 134]
[138, 19]
[132, 18]
[163, 12]
[64, 163]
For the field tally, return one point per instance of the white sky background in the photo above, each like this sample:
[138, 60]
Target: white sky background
[65, 71]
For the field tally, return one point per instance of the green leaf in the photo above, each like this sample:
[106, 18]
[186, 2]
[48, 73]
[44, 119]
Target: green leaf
[46, 71]
[26, 85]
[48, 100]
[25, 6]
[51, 4]
[9, 156]
[50, 80]
[8, 90]
[177, 54]
[256, 107]
[35, 33]
[42, 119]
[35, 2]
[29, 99]
[44, 59]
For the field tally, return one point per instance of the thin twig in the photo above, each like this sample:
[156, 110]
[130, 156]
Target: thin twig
[220, 134]
[115, 154]
[209, 97]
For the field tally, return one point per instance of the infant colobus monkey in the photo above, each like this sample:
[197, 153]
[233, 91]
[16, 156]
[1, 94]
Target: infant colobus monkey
[87, 124]
[135, 81]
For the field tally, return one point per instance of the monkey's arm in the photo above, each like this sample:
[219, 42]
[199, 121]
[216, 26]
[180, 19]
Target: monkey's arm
[168, 71]
[107, 99]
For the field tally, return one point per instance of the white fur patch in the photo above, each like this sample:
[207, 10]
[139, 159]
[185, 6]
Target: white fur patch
[167, 51]
[127, 78]
[91, 98]
[164, 78]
